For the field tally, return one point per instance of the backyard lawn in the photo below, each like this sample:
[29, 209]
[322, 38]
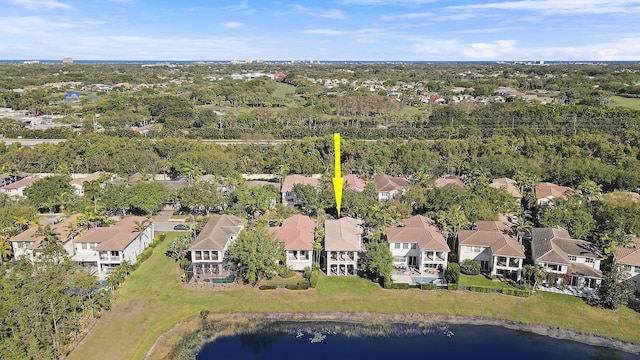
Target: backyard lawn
[630, 103]
[481, 280]
[153, 300]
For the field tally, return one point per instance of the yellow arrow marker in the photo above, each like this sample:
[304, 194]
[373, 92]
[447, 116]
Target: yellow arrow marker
[337, 180]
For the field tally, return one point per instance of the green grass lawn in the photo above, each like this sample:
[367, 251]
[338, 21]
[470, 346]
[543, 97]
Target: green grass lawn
[153, 300]
[284, 89]
[630, 103]
[481, 280]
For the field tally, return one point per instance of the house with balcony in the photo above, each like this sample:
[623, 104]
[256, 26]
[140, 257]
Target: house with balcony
[343, 246]
[629, 259]
[288, 195]
[494, 245]
[102, 249]
[29, 245]
[571, 262]
[208, 250]
[388, 187]
[297, 234]
[419, 247]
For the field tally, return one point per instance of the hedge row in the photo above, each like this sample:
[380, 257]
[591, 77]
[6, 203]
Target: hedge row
[516, 292]
[428, 286]
[480, 289]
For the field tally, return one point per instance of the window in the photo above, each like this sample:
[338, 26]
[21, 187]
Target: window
[405, 245]
[589, 260]
[477, 249]
[414, 245]
[572, 258]
[399, 259]
[637, 269]
[84, 246]
[206, 255]
[115, 253]
[397, 245]
[626, 267]
[198, 255]
[92, 246]
[553, 267]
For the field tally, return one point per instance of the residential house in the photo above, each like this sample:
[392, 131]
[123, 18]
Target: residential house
[29, 245]
[547, 192]
[388, 187]
[209, 249]
[78, 183]
[449, 182]
[297, 234]
[353, 182]
[288, 195]
[17, 188]
[510, 185]
[418, 244]
[343, 246]
[629, 258]
[102, 249]
[494, 245]
[576, 262]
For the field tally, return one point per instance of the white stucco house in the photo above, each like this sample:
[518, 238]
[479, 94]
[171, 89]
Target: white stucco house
[343, 246]
[297, 234]
[576, 262]
[288, 195]
[102, 249]
[209, 249]
[388, 187]
[494, 245]
[629, 258]
[29, 245]
[17, 188]
[418, 244]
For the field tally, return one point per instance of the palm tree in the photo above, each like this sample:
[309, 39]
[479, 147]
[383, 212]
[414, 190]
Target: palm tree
[140, 226]
[48, 234]
[537, 272]
[5, 250]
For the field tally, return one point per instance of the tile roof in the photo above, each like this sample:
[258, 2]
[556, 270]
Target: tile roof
[343, 234]
[353, 181]
[449, 181]
[91, 177]
[216, 233]
[21, 183]
[389, 183]
[421, 230]
[60, 228]
[113, 238]
[629, 256]
[296, 232]
[550, 191]
[290, 180]
[494, 234]
[505, 183]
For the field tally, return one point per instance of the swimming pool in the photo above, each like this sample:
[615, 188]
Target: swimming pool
[425, 280]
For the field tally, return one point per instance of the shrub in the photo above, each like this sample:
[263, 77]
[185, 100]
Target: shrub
[306, 273]
[516, 292]
[452, 274]
[470, 267]
[452, 286]
[297, 286]
[428, 286]
[480, 289]
[285, 272]
[401, 286]
[313, 279]
[267, 287]
[184, 264]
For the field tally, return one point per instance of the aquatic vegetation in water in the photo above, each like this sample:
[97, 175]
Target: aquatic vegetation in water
[317, 337]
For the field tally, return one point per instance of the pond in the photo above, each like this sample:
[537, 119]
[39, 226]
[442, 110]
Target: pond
[333, 341]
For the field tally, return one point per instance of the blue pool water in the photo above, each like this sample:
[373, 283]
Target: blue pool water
[423, 280]
[450, 342]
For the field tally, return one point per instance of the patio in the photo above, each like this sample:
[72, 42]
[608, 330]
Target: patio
[405, 275]
[572, 290]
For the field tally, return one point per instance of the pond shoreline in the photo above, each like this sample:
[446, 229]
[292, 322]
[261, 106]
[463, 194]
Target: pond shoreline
[238, 321]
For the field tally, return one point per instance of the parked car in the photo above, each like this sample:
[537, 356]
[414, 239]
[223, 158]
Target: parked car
[181, 227]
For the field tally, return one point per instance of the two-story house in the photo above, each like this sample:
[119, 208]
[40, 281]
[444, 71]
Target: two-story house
[288, 195]
[29, 243]
[418, 244]
[17, 188]
[494, 245]
[547, 192]
[78, 183]
[209, 249]
[388, 187]
[102, 249]
[297, 234]
[343, 246]
[575, 261]
[629, 258]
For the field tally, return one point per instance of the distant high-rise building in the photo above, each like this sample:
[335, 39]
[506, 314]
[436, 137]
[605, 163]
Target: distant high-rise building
[67, 60]
[259, 61]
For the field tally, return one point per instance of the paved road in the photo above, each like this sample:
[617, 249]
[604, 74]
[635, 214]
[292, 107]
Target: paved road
[162, 221]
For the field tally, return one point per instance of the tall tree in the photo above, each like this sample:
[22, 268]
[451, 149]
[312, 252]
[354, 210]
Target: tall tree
[616, 289]
[378, 262]
[49, 236]
[257, 254]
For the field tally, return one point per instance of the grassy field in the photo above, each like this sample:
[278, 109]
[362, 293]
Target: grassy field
[284, 89]
[481, 280]
[630, 103]
[153, 299]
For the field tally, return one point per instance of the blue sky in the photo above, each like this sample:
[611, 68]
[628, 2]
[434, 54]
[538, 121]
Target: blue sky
[395, 30]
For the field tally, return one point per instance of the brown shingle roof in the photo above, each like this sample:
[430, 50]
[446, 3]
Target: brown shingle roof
[343, 234]
[629, 256]
[421, 230]
[296, 232]
[217, 232]
[501, 242]
[554, 245]
[289, 181]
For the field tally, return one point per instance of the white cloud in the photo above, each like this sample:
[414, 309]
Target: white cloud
[325, 32]
[563, 7]
[387, 2]
[487, 30]
[39, 4]
[421, 15]
[321, 13]
[232, 24]
[33, 25]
